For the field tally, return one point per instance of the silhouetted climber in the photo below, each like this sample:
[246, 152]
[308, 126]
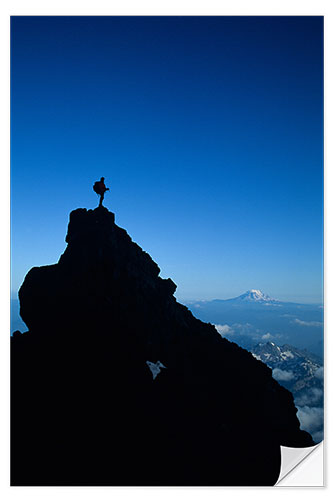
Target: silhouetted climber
[100, 188]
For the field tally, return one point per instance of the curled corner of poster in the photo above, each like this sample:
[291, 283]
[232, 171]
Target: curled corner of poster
[302, 466]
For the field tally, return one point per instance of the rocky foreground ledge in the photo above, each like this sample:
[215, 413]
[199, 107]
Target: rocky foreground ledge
[116, 383]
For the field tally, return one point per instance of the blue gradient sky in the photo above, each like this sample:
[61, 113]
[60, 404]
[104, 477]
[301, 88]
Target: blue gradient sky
[208, 130]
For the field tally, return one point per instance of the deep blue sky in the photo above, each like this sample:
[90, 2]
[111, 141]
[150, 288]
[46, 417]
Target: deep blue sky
[208, 130]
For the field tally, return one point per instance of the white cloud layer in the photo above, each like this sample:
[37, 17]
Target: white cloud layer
[312, 397]
[307, 323]
[311, 418]
[320, 373]
[282, 375]
[223, 329]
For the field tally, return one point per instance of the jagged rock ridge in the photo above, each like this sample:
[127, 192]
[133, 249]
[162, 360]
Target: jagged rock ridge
[86, 408]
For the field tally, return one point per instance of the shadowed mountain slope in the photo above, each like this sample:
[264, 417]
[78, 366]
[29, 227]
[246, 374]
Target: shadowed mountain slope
[89, 409]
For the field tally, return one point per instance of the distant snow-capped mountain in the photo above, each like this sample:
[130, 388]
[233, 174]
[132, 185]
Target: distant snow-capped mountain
[256, 296]
[255, 317]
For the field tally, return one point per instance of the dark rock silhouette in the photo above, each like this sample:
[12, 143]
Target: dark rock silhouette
[17, 333]
[86, 407]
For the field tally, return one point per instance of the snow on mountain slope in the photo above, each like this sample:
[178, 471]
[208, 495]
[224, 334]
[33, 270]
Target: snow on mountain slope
[301, 372]
[255, 296]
